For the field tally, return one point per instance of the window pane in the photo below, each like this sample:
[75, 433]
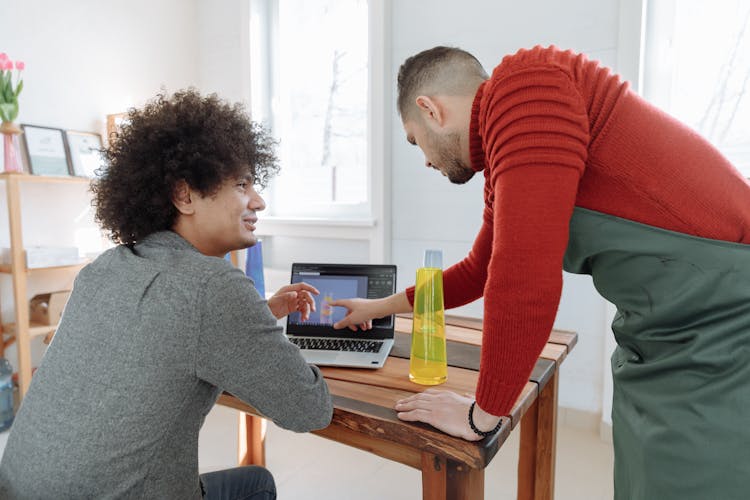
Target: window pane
[320, 105]
[697, 68]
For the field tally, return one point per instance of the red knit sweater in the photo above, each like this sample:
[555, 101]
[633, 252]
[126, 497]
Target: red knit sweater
[552, 130]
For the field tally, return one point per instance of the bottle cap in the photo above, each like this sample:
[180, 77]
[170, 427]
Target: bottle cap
[433, 258]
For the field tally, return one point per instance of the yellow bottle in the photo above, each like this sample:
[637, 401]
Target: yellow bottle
[428, 361]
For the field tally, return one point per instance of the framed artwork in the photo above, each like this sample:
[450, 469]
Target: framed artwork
[45, 151]
[86, 158]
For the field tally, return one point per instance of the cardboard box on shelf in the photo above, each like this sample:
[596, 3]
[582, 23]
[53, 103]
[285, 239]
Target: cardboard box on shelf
[47, 308]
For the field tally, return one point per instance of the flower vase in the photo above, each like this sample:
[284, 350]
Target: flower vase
[11, 155]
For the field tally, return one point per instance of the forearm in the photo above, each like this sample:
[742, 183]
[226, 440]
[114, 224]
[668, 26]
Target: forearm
[397, 303]
[534, 205]
[464, 281]
[241, 349]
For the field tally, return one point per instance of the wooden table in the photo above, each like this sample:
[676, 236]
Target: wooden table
[451, 468]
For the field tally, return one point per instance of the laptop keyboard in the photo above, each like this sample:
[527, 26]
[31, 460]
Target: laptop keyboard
[338, 344]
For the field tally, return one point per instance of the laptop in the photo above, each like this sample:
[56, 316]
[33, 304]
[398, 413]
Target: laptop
[319, 343]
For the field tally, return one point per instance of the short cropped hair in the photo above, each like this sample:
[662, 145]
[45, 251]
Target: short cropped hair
[202, 140]
[440, 70]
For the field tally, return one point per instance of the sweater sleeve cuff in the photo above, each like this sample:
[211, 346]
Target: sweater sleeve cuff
[498, 398]
[410, 295]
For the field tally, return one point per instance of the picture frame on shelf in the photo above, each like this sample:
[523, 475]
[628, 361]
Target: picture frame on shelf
[85, 150]
[45, 150]
[114, 121]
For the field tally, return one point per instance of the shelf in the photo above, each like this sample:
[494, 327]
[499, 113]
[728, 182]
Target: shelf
[7, 268]
[39, 330]
[35, 329]
[21, 332]
[44, 178]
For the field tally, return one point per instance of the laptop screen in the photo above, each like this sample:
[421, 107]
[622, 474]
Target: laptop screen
[342, 281]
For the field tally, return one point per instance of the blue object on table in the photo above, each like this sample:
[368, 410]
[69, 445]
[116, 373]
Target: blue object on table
[254, 267]
[6, 394]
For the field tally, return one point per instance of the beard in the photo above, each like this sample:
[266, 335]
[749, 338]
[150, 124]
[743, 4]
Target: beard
[458, 173]
[449, 156]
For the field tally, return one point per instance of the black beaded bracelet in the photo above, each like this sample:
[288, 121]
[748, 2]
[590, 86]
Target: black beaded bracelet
[474, 427]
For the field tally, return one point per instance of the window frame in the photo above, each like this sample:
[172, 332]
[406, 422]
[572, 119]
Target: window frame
[371, 220]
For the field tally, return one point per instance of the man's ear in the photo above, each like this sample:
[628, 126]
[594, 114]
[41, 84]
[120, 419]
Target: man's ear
[431, 110]
[182, 198]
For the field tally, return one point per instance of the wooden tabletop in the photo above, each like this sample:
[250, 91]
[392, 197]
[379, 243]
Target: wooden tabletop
[452, 468]
[364, 399]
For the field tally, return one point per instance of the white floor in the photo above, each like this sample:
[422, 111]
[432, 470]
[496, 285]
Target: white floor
[309, 467]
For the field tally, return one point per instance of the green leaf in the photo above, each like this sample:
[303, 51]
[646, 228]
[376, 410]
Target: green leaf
[19, 88]
[7, 89]
[5, 112]
[9, 112]
[14, 114]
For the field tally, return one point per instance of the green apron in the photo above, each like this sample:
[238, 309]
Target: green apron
[681, 371]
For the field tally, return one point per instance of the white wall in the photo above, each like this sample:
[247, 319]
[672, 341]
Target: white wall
[430, 212]
[223, 53]
[85, 59]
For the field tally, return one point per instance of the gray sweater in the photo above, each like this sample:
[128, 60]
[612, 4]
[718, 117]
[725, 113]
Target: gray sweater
[148, 340]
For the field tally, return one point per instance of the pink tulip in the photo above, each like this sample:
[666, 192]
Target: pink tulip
[7, 64]
[20, 65]
[3, 56]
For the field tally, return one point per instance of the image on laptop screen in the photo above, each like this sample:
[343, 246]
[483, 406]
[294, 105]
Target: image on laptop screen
[331, 287]
[341, 281]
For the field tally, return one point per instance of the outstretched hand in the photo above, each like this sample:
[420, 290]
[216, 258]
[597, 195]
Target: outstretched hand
[444, 410]
[293, 298]
[359, 315]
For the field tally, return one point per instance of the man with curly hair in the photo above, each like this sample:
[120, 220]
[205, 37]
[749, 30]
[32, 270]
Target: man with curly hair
[157, 327]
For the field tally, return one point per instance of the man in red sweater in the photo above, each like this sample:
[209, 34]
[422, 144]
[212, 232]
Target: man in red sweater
[583, 175]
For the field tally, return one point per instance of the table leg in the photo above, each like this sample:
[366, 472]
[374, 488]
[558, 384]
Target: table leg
[536, 461]
[251, 449]
[434, 477]
[446, 480]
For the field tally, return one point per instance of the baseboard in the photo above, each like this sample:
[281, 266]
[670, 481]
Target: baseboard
[579, 419]
[585, 420]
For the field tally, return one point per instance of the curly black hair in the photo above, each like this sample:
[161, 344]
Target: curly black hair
[201, 140]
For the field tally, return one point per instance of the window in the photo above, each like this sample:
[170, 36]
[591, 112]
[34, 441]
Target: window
[310, 78]
[697, 68]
